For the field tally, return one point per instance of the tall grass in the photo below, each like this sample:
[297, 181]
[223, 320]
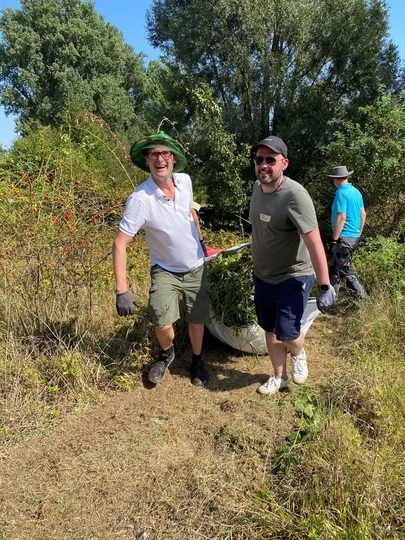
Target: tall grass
[62, 193]
[346, 480]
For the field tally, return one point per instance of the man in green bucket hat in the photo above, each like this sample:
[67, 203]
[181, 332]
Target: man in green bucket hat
[162, 206]
[139, 150]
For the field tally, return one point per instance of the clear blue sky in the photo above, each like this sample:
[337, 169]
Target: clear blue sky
[129, 17]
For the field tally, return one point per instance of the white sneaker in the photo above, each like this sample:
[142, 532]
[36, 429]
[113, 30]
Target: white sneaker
[273, 385]
[299, 367]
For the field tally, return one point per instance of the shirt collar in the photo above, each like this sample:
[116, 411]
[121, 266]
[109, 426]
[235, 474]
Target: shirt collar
[156, 189]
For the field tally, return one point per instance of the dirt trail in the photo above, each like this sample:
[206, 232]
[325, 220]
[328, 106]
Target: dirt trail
[174, 461]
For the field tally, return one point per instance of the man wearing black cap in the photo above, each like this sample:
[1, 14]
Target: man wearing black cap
[162, 206]
[287, 249]
[348, 220]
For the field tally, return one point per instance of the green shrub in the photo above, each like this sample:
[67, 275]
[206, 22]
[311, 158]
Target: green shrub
[62, 192]
[380, 263]
[60, 208]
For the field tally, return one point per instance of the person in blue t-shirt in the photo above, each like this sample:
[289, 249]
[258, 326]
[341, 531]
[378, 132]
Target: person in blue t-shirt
[348, 219]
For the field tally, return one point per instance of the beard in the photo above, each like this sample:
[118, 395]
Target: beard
[270, 179]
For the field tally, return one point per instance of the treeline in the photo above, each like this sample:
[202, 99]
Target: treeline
[321, 74]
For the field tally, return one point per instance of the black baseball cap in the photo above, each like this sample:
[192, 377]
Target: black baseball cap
[274, 143]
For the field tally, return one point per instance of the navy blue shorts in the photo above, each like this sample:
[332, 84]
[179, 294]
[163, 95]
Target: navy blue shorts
[279, 308]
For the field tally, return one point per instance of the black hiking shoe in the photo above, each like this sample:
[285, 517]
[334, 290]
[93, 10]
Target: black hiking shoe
[158, 368]
[199, 376]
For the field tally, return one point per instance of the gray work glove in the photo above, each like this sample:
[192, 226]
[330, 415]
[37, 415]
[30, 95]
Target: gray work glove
[126, 303]
[326, 298]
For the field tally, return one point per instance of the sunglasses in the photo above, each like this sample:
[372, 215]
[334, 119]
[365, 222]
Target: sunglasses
[165, 154]
[269, 160]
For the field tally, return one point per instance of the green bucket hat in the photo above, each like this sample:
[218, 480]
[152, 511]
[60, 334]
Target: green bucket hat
[154, 141]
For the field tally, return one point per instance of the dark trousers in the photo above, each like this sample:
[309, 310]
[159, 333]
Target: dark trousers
[341, 266]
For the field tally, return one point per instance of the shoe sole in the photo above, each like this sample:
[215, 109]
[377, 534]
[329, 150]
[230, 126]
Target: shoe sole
[198, 382]
[299, 381]
[269, 393]
[261, 393]
[156, 379]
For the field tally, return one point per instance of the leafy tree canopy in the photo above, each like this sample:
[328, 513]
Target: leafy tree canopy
[375, 149]
[221, 161]
[59, 53]
[190, 112]
[281, 66]
[167, 97]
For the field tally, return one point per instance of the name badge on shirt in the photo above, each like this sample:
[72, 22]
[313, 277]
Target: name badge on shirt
[265, 217]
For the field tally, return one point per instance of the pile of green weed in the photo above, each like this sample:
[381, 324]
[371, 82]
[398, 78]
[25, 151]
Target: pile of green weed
[231, 288]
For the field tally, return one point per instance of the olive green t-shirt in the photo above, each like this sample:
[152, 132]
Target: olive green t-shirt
[277, 220]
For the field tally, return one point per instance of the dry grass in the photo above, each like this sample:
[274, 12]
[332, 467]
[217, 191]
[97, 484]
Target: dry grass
[90, 451]
[176, 462]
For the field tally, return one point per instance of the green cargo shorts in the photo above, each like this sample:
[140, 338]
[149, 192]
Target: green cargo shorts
[169, 288]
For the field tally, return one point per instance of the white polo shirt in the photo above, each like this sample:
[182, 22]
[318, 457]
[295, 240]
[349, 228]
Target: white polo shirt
[171, 234]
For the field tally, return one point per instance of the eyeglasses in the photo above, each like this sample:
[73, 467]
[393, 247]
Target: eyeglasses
[269, 160]
[166, 154]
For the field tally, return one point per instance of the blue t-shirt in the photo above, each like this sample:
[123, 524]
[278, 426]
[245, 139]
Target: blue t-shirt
[348, 199]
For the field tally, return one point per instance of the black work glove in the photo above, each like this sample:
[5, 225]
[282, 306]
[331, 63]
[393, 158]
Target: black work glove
[326, 298]
[126, 303]
[333, 244]
[203, 247]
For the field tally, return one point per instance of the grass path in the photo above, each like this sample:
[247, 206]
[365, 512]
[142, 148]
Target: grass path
[174, 461]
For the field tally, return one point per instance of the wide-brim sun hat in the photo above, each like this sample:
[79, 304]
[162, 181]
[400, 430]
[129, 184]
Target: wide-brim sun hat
[340, 172]
[154, 141]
